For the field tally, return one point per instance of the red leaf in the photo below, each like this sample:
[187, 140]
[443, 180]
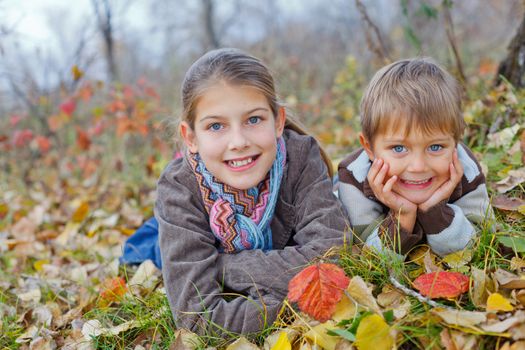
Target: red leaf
[68, 107]
[22, 137]
[83, 140]
[43, 143]
[442, 284]
[317, 289]
[113, 290]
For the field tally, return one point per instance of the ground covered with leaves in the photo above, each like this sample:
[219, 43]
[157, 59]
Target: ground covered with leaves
[77, 182]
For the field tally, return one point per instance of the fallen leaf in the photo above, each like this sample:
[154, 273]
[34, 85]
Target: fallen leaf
[317, 289]
[362, 294]
[283, 343]
[81, 212]
[507, 203]
[516, 243]
[514, 178]
[509, 280]
[145, 278]
[242, 344]
[344, 310]
[478, 291]
[272, 339]
[93, 328]
[497, 302]
[517, 264]
[502, 326]
[187, 339]
[113, 290]
[373, 333]
[443, 284]
[462, 318]
[319, 335]
[458, 259]
[454, 340]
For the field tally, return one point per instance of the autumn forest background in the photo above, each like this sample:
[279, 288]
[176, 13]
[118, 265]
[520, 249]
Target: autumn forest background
[87, 123]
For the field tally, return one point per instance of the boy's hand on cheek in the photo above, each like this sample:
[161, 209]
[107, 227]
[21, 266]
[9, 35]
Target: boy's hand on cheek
[383, 189]
[446, 189]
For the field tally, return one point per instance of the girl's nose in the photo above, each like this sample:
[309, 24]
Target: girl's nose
[238, 140]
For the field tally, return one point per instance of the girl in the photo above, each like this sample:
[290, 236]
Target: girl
[249, 203]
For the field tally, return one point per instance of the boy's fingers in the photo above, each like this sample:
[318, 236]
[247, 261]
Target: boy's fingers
[389, 184]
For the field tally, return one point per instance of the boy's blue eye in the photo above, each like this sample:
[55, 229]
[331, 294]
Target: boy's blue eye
[254, 120]
[215, 126]
[435, 148]
[398, 149]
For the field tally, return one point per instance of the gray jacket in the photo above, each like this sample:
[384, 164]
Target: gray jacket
[243, 292]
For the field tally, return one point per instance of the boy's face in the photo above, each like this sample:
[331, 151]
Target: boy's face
[421, 161]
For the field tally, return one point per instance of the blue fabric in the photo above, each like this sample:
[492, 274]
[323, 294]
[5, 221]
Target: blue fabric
[143, 245]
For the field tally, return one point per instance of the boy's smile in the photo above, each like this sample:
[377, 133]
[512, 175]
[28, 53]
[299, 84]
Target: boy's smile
[235, 134]
[421, 161]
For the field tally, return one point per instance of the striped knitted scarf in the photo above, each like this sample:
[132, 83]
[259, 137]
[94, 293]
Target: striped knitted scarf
[240, 219]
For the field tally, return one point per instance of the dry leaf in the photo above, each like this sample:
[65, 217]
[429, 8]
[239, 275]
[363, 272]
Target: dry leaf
[517, 264]
[502, 326]
[443, 284]
[497, 302]
[458, 259]
[507, 203]
[317, 289]
[462, 318]
[283, 343]
[318, 335]
[373, 333]
[509, 280]
[362, 294]
[514, 178]
[113, 290]
[273, 338]
[478, 291]
[344, 310]
[242, 344]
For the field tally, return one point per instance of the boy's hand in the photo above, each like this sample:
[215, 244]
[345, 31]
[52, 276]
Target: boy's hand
[383, 190]
[446, 189]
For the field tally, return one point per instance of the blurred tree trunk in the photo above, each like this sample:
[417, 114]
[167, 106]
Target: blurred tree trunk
[104, 17]
[209, 24]
[513, 66]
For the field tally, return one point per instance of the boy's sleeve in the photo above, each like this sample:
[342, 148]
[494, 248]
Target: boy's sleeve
[450, 225]
[373, 224]
[191, 274]
[320, 224]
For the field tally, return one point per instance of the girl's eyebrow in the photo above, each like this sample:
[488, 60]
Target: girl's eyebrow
[257, 109]
[213, 117]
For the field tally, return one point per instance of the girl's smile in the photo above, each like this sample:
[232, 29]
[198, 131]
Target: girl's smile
[242, 164]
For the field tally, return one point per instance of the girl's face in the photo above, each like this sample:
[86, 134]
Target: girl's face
[235, 134]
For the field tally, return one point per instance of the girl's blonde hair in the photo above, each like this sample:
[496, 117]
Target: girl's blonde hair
[409, 93]
[235, 67]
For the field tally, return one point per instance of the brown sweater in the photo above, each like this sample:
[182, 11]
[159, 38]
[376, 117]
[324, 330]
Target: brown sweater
[447, 227]
[308, 220]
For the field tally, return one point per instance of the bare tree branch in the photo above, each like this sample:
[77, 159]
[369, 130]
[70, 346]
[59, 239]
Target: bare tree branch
[449, 28]
[377, 46]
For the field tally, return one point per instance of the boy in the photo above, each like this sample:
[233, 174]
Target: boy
[412, 181]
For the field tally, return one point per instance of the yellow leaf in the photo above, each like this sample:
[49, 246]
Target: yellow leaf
[39, 263]
[319, 336]
[521, 209]
[497, 302]
[80, 214]
[345, 309]
[458, 259]
[373, 333]
[283, 343]
[77, 72]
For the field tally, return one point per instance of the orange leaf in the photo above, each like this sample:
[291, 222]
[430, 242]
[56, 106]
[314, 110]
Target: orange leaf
[112, 290]
[83, 140]
[442, 284]
[317, 289]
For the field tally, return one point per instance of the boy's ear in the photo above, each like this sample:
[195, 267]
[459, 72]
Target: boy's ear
[188, 135]
[280, 121]
[366, 146]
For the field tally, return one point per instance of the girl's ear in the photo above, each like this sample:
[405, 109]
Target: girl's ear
[280, 121]
[366, 146]
[188, 135]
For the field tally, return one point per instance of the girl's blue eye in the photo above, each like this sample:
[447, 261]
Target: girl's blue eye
[215, 126]
[254, 120]
[398, 149]
[435, 148]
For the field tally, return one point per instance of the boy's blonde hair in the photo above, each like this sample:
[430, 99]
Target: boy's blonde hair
[409, 93]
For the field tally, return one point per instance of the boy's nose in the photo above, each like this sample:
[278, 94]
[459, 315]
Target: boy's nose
[417, 164]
